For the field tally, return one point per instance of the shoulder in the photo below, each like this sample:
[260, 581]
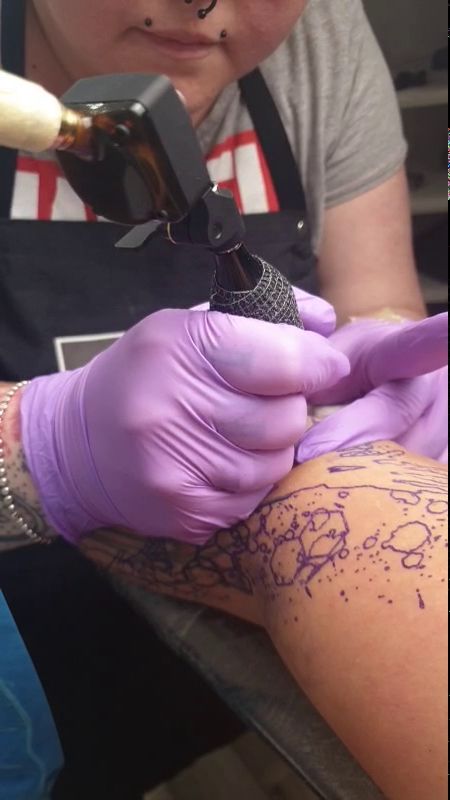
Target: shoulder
[319, 43]
[311, 72]
[327, 74]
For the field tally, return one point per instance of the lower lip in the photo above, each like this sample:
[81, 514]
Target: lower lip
[181, 50]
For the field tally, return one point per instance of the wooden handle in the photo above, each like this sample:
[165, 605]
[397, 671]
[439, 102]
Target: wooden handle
[30, 117]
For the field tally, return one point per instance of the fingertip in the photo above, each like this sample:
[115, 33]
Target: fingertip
[343, 365]
[318, 318]
[321, 366]
[317, 314]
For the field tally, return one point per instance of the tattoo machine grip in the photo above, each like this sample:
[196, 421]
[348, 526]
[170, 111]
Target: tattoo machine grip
[247, 286]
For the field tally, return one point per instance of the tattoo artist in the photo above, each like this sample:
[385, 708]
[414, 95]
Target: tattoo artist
[194, 416]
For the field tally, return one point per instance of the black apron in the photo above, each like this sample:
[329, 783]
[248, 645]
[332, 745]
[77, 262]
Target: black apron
[66, 279]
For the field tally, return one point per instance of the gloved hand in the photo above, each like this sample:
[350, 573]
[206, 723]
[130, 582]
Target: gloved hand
[428, 435]
[401, 370]
[180, 428]
[380, 352]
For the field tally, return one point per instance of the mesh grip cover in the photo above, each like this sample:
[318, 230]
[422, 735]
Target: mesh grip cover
[272, 299]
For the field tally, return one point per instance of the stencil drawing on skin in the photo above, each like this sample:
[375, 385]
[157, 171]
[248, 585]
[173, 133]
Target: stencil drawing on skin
[318, 544]
[312, 536]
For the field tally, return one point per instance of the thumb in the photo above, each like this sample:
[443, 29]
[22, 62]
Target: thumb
[265, 359]
[316, 314]
[383, 415]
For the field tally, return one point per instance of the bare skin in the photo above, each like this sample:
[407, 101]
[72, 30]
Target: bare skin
[374, 229]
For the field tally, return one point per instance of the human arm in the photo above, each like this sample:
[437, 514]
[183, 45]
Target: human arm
[345, 566]
[192, 414]
[366, 259]
[366, 262]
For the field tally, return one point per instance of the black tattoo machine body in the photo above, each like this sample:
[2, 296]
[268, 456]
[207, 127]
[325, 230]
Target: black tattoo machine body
[127, 147]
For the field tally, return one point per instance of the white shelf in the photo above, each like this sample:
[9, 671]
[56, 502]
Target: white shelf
[432, 197]
[435, 93]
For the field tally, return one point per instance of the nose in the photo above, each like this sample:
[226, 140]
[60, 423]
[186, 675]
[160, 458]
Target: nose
[203, 12]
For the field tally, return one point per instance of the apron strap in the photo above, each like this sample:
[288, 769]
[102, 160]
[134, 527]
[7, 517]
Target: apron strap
[274, 141]
[12, 51]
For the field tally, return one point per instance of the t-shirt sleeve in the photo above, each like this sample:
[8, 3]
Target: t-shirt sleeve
[368, 146]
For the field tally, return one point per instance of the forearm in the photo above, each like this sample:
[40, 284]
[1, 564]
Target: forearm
[367, 262]
[211, 575]
[345, 565]
[23, 491]
[219, 573]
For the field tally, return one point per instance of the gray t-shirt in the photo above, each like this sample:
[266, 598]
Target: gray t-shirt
[337, 102]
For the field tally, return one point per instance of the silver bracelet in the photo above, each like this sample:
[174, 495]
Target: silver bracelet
[6, 496]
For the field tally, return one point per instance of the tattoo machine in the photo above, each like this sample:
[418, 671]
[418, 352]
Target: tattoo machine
[127, 147]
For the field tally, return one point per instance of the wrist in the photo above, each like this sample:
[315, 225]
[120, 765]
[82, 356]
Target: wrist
[22, 521]
[57, 447]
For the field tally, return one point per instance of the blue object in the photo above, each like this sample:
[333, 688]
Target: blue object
[30, 751]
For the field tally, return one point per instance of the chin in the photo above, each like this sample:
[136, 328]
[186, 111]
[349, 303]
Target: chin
[199, 98]
[196, 80]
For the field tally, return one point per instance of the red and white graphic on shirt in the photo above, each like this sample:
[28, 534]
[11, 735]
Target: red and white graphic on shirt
[239, 164]
[42, 192]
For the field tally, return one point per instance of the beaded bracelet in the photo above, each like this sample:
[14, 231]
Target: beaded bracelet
[6, 496]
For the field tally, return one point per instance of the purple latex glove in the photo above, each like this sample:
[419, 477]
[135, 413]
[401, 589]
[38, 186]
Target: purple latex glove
[429, 434]
[380, 352]
[402, 404]
[180, 428]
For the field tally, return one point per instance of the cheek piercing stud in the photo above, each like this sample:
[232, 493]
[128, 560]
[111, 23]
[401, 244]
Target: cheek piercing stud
[148, 22]
[224, 34]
